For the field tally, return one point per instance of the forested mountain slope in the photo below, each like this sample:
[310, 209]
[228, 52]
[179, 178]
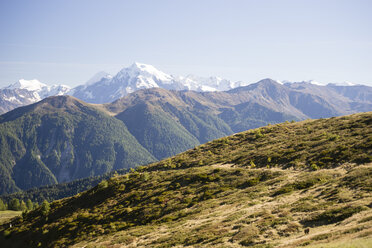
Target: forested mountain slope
[61, 139]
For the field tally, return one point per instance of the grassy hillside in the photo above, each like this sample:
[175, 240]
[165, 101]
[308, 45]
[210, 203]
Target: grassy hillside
[310, 144]
[261, 188]
[61, 139]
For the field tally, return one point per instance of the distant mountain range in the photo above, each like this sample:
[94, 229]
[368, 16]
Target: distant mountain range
[106, 88]
[62, 138]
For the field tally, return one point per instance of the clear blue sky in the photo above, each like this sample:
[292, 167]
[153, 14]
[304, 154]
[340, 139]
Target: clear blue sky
[67, 41]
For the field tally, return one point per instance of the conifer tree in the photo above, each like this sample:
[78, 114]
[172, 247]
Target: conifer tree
[2, 205]
[45, 207]
[14, 204]
[29, 204]
[23, 206]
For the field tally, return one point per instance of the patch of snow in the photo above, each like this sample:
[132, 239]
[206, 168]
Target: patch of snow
[343, 84]
[207, 88]
[213, 83]
[98, 77]
[36, 96]
[11, 99]
[31, 85]
[315, 83]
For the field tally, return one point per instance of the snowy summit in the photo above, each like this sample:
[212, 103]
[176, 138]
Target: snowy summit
[31, 85]
[143, 76]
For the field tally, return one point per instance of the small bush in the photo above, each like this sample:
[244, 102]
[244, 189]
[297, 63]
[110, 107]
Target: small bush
[322, 236]
[250, 182]
[247, 235]
[6, 233]
[103, 184]
[125, 239]
[292, 227]
[284, 190]
[258, 134]
[333, 137]
[314, 167]
[333, 215]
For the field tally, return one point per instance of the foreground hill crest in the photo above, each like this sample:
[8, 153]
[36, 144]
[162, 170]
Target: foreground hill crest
[259, 188]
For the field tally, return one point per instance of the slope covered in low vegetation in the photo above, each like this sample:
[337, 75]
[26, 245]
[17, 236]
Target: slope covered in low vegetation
[260, 188]
[310, 144]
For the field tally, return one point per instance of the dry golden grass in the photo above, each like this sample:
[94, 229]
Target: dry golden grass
[5, 216]
[237, 220]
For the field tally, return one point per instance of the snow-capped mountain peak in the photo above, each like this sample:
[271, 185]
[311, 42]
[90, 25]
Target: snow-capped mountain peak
[25, 92]
[144, 71]
[135, 77]
[31, 85]
[143, 76]
[40, 88]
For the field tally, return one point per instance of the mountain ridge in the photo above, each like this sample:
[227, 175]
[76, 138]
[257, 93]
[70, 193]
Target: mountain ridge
[105, 88]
